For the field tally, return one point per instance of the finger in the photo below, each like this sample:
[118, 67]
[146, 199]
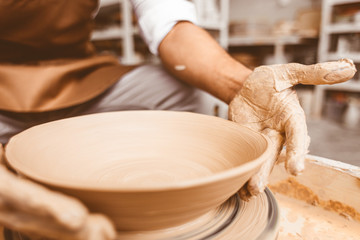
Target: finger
[297, 139]
[33, 226]
[258, 182]
[317, 74]
[25, 196]
[98, 227]
[67, 211]
[244, 193]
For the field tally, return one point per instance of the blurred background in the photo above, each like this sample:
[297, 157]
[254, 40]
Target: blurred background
[258, 32]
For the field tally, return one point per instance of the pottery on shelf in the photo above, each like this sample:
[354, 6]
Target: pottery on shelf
[144, 169]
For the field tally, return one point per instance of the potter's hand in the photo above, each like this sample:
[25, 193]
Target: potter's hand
[36, 211]
[267, 103]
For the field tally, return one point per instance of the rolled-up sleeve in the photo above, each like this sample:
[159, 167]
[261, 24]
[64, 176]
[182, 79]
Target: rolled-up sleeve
[157, 17]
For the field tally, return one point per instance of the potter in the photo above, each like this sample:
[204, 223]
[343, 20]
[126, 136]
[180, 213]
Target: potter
[50, 71]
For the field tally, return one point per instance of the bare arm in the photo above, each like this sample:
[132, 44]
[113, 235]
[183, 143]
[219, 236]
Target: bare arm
[207, 65]
[262, 100]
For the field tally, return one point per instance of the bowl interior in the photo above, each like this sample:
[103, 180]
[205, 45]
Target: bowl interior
[135, 150]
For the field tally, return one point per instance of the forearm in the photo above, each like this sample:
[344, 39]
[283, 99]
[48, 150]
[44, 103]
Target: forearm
[192, 55]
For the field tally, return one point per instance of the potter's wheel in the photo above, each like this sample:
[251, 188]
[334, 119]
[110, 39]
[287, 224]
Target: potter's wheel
[234, 219]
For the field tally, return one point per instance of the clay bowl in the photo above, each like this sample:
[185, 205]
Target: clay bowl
[144, 169]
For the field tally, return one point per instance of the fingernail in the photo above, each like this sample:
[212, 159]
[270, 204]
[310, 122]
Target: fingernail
[295, 166]
[349, 61]
[343, 70]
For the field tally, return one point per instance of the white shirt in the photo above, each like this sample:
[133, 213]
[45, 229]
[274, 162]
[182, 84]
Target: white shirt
[157, 17]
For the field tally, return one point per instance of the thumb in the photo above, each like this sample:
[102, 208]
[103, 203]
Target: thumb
[317, 74]
[258, 181]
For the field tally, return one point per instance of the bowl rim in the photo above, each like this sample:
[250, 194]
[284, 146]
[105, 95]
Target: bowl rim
[193, 183]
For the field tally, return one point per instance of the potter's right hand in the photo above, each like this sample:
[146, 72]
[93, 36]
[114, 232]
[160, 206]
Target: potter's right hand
[268, 103]
[38, 212]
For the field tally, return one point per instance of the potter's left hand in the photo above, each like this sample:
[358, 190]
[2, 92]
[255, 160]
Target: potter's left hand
[41, 213]
[267, 103]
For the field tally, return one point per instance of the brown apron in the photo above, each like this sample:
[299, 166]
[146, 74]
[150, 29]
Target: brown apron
[46, 59]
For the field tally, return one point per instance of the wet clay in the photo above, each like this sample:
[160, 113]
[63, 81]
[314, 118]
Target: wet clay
[292, 188]
[321, 203]
[144, 169]
[267, 101]
[335, 189]
[249, 223]
[302, 221]
[234, 219]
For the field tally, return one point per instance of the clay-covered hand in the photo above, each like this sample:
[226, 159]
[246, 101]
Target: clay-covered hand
[267, 103]
[38, 212]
